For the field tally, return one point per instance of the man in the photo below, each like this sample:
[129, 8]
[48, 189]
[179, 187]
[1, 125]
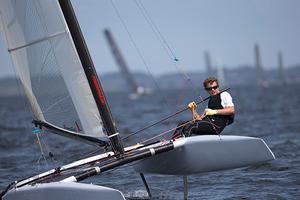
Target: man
[218, 114]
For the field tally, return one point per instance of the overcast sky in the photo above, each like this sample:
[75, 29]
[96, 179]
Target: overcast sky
[228, 29]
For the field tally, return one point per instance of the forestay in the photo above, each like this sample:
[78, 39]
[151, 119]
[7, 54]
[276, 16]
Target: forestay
[48, 65]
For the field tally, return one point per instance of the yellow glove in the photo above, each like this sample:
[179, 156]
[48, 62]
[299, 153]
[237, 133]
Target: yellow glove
[209, 112]
[192, 105]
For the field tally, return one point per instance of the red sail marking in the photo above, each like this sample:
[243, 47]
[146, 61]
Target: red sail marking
[99, 91]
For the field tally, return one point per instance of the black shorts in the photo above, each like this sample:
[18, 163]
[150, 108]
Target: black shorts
[207, 126]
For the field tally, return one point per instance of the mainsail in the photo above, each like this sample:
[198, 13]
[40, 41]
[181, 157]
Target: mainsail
[50, 68]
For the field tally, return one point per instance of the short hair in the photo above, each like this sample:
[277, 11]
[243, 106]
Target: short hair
[210, 80]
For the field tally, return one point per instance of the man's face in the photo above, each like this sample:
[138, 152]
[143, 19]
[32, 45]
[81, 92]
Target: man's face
[212, 88]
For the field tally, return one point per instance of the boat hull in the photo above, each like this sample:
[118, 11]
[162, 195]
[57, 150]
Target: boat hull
[207, 153]
[63, 191]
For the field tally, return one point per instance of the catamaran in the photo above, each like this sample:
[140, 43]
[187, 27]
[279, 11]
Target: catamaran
[46, 46]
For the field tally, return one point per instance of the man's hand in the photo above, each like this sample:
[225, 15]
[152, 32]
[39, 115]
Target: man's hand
[210, 112]
[196, 116]
[192, 105]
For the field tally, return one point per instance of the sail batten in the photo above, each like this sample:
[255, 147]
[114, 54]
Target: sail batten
[48, 64]
[37, 41]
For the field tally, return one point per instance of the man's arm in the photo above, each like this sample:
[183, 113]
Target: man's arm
[195, 115]
[225, 111]
[228, 106]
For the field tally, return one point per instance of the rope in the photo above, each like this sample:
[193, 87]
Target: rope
[138, 51]
[159, 36]
[155, 30]
[176, 136]
[167, 131]
[164, 44]
[25, 103]
[170, 53]
[40, 139]
[41, 149]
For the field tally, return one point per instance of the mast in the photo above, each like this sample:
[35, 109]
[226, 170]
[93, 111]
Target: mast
[207, 59]
[220, 71]
[258, 65]
[120, 60]
[91, 75]
[280, 68]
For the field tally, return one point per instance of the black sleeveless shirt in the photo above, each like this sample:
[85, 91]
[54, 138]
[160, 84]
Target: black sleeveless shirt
[215, 103]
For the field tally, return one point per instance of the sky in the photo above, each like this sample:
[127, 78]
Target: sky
[228, 29]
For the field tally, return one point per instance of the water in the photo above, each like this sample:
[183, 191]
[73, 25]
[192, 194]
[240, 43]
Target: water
[271, 114]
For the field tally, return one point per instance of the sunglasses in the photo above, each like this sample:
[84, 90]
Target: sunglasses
[210, 88]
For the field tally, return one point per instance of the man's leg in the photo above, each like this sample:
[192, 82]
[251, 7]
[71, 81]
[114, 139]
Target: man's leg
[206, 127]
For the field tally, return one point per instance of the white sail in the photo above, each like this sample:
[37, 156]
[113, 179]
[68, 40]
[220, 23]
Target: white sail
[48, 65]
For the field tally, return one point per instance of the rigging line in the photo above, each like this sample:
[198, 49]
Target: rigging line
[41, 148]
[25, 103]
[55, 103]
[139, 52]
[93, 152]
[167, 131]
[44, 141]
[169, 116]
[164, 43]
[186, 77]
[44, 57]
[158, 34]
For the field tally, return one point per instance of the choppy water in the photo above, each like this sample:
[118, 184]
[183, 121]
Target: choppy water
[271, 114]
